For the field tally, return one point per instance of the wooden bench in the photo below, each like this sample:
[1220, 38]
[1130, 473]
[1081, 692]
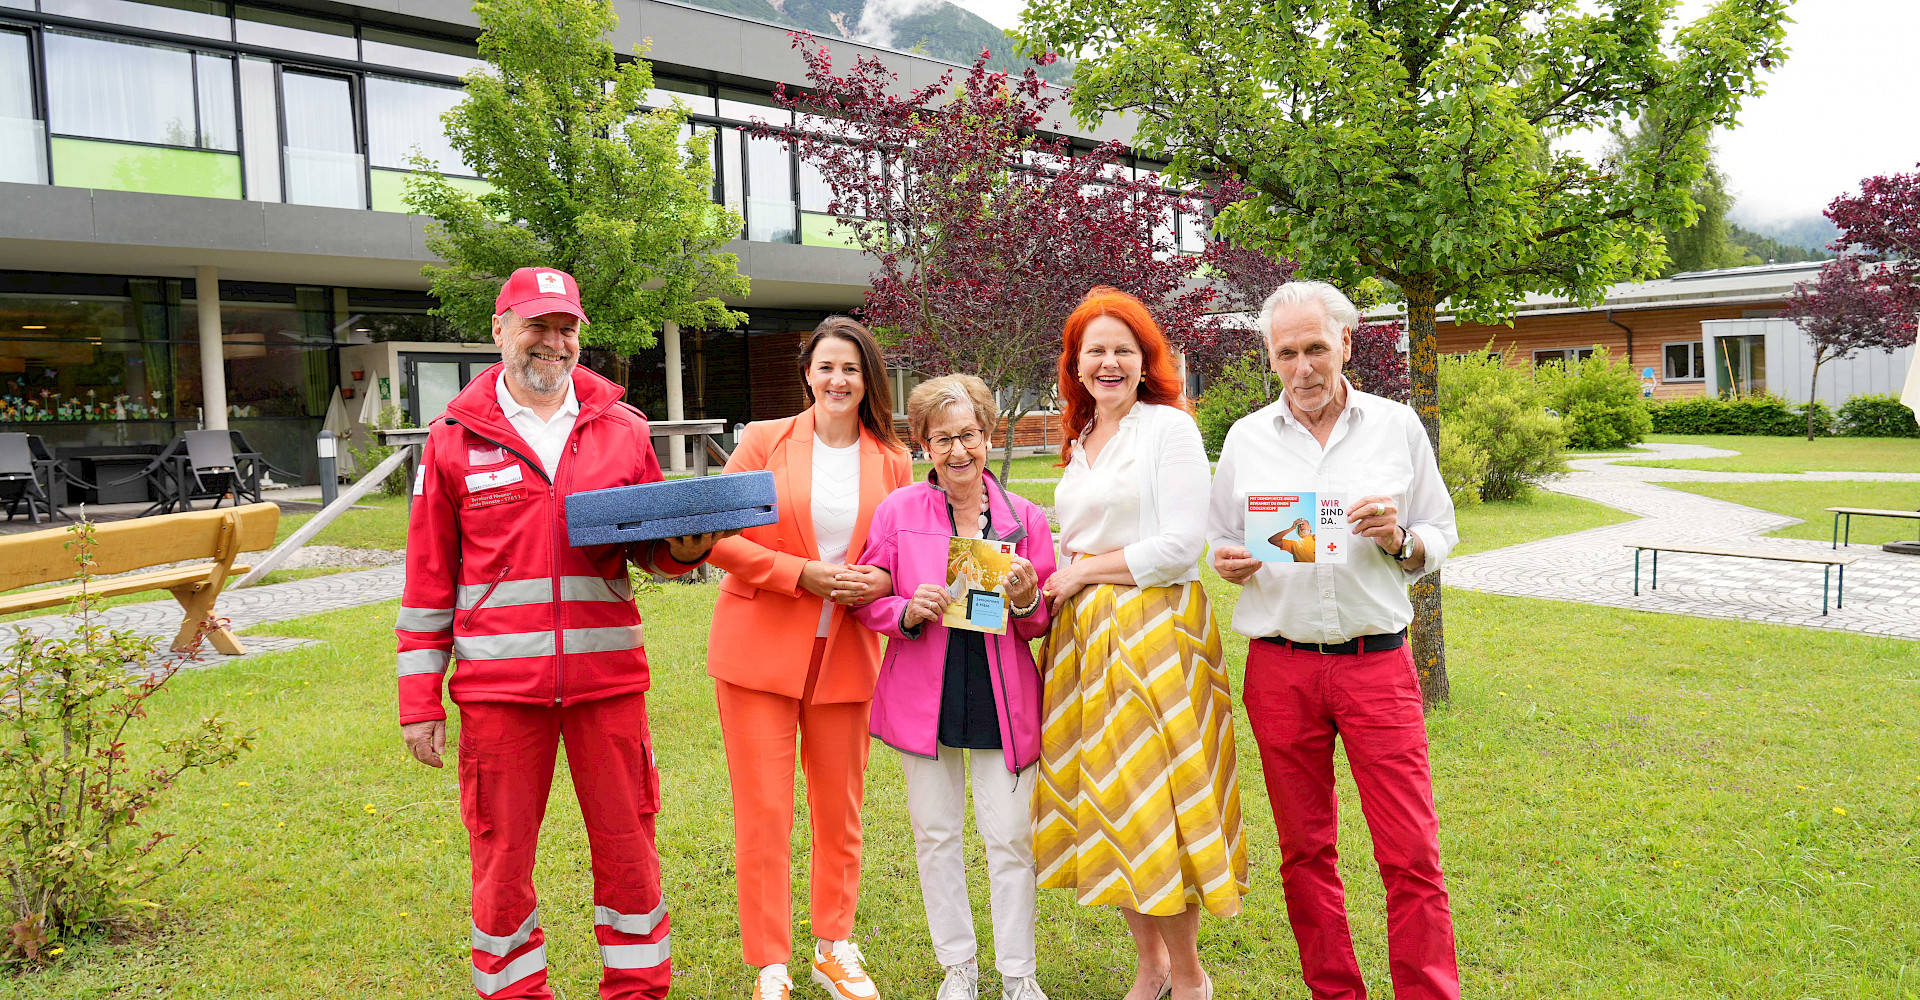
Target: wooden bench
[1852, 512]
[1829, 562]
[123, 546]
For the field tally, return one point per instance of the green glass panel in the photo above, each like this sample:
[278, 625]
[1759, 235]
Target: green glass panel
[117, 166]
[825, 231]
[390, 188]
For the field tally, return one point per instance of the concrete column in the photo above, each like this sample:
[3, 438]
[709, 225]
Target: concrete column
[676, 397]
[213, 355]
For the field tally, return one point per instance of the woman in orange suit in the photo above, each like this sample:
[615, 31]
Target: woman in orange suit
[788, 661]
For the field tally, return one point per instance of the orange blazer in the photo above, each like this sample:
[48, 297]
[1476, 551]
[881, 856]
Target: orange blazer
[764, 624]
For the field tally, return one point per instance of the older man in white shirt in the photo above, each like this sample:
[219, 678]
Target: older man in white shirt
[1329, 652]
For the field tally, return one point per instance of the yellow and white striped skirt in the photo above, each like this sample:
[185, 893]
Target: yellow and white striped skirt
[1138, 803]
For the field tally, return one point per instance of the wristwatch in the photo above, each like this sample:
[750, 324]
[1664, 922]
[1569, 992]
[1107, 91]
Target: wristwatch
[1406, 546]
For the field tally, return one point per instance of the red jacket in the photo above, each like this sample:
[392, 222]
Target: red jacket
[491, 580]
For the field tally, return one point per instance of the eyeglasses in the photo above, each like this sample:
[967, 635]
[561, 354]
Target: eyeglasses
[945, 443]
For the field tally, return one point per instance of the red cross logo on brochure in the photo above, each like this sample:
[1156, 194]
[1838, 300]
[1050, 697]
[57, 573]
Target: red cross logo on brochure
[1333, 547]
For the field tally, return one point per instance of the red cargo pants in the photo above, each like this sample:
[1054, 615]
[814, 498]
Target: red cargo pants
[506, 769]
[1297, 701]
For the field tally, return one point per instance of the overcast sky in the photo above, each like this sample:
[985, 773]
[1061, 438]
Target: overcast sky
[1840, 109]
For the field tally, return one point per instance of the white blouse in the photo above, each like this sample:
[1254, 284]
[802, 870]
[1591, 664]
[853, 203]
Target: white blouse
[1099, 501]
[836, 506]
[1163, 484]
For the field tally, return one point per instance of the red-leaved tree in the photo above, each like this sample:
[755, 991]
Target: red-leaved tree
[984, 234]
[1867, 298]
[1852, 308]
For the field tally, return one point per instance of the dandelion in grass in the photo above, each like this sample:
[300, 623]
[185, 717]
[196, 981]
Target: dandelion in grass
[244, 784]
[370, 809]
[1837, 811]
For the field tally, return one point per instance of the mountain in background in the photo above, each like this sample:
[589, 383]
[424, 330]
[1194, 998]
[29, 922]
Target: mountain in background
[1770, 250]
[1810, 232]
[927, 27]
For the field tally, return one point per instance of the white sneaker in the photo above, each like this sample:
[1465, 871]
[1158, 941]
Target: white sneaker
[841, 969]
[1024, 988]
[962, 982]
[774, 984]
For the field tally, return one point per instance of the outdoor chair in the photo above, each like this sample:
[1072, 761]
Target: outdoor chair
[164, 476]
[20, 478]
[249, 465]
[208, 468]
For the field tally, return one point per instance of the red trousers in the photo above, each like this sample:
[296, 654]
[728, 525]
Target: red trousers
[1297, 702]
[760, 729]
[506, 769]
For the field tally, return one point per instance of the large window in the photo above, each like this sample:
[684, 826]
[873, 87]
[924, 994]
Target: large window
[404, 118]
[134, 116]
[23, 139]
[1684, 362]
[324, 166]
[205, 18]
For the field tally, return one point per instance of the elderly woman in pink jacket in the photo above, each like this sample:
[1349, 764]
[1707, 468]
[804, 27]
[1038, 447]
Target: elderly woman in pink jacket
[946, 694]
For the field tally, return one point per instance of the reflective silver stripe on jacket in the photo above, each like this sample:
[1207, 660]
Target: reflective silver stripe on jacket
[630, 923]
[424, 619]
[503, 946]
[540, 591]
[489, 983]
[516, 644]
[635, 956]
[605, 640]
[423, 661]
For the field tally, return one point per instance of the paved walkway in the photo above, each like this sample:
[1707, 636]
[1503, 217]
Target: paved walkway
[1595, 567]
[245, 608]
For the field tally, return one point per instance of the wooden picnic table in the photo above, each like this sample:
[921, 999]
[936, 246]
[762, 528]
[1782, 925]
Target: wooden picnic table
[1852, 512]
[1777, 555]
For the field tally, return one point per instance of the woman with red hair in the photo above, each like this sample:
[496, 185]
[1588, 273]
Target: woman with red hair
[1138, 805]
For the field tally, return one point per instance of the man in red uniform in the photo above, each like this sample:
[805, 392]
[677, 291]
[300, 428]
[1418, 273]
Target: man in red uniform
[545, 639]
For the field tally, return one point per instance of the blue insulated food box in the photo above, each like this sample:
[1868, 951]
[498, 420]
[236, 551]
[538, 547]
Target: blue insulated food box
[647, 511]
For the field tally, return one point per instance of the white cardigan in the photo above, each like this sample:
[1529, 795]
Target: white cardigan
[1173, 498]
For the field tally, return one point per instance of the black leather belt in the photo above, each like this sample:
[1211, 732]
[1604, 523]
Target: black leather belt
[1358, 644]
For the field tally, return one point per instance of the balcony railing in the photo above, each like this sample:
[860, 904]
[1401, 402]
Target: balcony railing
[326, 178]
[23, 150]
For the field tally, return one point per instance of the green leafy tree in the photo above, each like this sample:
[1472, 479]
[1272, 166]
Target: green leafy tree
[1598, 398]
[1707, 242]
[582, 179]
[1412, 141]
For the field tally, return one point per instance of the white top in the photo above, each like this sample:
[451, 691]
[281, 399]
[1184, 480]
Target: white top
[1099, 501]
[1164, 486]
[547, 437]
[1377, 448]
[836, 506]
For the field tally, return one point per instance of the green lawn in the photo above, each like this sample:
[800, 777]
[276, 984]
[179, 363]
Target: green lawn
[1633, 805]
[1796, 454]
[1809, 503]
[1542, 515]
[382, 525]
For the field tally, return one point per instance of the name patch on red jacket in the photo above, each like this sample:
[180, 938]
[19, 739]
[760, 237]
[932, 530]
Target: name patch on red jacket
[492, 497]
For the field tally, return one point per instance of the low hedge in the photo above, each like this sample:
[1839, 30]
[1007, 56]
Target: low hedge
[1762, 415]
[1876, 415]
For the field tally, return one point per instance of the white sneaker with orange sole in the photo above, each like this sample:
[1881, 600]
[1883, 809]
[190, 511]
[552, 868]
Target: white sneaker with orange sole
[773, 984]
[841, 970]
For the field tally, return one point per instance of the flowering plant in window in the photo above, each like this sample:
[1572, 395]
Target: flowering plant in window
[45, 407]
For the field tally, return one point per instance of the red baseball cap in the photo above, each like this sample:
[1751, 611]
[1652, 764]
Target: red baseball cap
[538, 291]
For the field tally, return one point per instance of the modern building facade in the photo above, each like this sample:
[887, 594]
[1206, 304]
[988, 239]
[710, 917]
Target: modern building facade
[151, 152]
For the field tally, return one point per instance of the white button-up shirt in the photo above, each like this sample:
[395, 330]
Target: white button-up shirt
[547, 437]
[1377, 448]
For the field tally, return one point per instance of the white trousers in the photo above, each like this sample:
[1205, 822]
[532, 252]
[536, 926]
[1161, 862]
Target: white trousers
[1003, 813]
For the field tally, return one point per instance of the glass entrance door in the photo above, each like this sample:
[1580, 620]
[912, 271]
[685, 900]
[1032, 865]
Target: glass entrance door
[1743, 365]
[322, 153]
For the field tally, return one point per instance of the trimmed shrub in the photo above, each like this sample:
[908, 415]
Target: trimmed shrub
[1876, 415]
[1244, 386]
[1761, 414]
[1599, 401]
[1502, 413]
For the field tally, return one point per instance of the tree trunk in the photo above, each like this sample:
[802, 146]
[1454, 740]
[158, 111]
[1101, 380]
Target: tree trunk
[1011, 418]
[1429, 630]
[1818, 360]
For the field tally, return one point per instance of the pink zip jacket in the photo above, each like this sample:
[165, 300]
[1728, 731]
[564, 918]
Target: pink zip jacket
[908, 538]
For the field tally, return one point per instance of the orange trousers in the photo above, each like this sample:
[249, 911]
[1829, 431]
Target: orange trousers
[761, 730]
